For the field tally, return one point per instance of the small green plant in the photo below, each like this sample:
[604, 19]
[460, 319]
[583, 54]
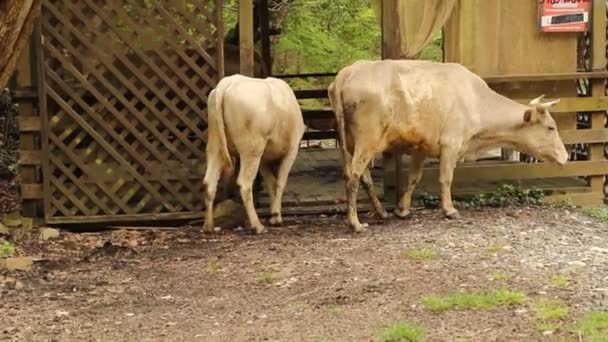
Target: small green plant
[599, 213]
[430, 201]
[594, 326]
[267, 277]
[549, 313]
[402, 332]
[499, 276]
[560, 280]
[495, 248]
[483, 301]
[6, 249]
[422, 254]
[215, 267]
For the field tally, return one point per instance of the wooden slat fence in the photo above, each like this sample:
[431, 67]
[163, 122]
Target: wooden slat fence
[125, 87]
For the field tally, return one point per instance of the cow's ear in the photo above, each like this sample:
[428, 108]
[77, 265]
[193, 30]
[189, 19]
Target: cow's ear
[528, 115]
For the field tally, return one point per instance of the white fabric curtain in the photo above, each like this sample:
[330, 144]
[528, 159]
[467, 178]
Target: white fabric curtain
[420, 22]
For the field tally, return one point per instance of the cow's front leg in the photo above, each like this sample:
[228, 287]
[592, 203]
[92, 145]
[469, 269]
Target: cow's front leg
[447, 162]
[249, 168]
[280, 184]
[414, 177]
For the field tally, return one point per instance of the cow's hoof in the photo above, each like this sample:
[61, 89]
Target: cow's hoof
[383, 214]
[452, 215]
[359, 228]
[259, 230]
[403, 213]
[211, 229]
[276, 220]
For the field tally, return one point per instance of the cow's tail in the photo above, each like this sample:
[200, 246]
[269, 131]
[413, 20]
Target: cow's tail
[335, 100]
[216, 124]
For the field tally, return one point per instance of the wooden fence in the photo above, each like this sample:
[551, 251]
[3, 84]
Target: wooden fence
[113, 113]
[122, 115]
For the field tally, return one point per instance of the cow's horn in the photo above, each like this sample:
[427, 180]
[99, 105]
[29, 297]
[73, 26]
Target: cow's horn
[550, 103]
[536, 101]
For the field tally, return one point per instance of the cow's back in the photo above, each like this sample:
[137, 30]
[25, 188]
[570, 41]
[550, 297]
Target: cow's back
[262, 108]
[417, 102]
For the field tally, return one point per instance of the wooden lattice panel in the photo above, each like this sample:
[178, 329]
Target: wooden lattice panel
[126, 86]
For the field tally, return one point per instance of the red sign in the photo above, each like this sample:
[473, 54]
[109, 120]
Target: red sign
[564, 15]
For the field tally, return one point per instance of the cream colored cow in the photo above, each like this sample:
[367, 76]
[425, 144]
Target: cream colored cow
[260, 122]
[429, 109]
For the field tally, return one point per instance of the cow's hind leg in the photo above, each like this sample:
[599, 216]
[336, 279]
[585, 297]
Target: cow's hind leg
[414, 177]
[281, 181]
[359, 163]
[447, 163]
[249, 168]
[368, 183]
[212, 177]
[269, 178]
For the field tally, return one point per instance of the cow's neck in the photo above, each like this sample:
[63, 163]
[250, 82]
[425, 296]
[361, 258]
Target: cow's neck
[500, 118]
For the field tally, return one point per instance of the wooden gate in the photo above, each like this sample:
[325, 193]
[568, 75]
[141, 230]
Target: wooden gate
[123, 103]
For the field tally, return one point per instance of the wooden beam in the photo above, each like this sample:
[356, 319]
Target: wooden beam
[391, 48]
[264, 20]
[246, 44]
[29, 124]
[598, 87]
[511, 170]
[543, 77]
[311, 94]
[30, 158]
[584, 136]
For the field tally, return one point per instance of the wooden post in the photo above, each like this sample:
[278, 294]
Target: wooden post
[30, 159]
[391, 47]
[246, 45]
[598, 86]
[263, 18]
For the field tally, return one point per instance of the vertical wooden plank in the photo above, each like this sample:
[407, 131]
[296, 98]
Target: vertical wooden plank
[598, 87]
[246, 36]
[219, 38]
[44, 129]
[391, 47]
[25, 81]
[263, 16]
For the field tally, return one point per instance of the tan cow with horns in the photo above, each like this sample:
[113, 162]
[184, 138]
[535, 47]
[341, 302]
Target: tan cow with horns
[260, 122]
[429, 109]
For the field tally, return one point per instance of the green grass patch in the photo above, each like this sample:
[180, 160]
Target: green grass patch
[499, 276]
[267, 277]
[422, 254]
[594, 326]
[560, 280]
[215, 267]
[7, 249]
[482, 301]
[599, 213]
[549, 313]
[402, 332]
[495, 248]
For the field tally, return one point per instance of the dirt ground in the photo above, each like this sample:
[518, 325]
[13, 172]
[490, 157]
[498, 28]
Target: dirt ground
[310, 280]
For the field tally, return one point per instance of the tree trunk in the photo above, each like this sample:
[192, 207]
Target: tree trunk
[17, 18]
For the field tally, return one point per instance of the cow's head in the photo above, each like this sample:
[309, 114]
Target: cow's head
[539, 133]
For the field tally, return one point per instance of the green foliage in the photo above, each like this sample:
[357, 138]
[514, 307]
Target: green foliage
[560, 280]
[508, 195]
[422, 254]
[549, 313]
[483, 301]
[7, 249]
[402, 332]
[599, 213]
[594, 326]
[504, 196]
